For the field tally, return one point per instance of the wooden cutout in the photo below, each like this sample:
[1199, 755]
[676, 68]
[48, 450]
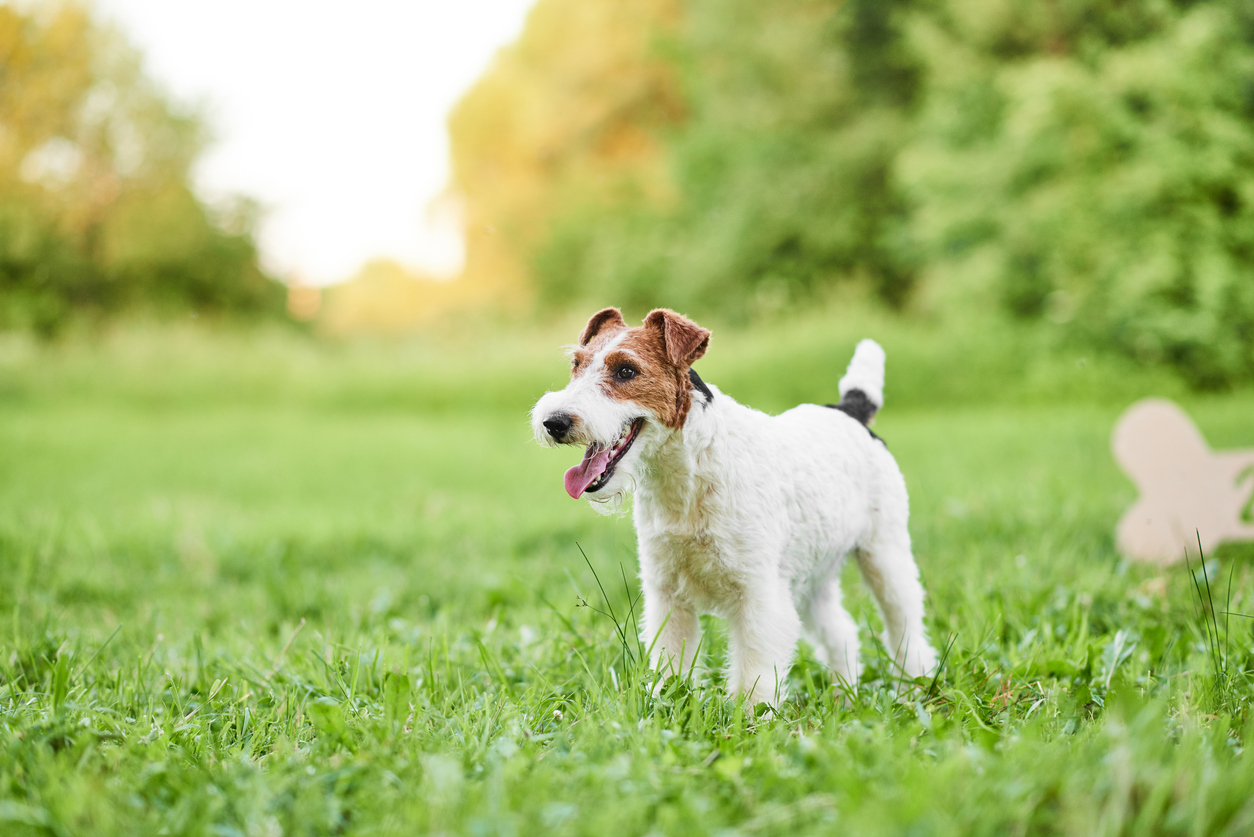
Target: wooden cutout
[1187, 490]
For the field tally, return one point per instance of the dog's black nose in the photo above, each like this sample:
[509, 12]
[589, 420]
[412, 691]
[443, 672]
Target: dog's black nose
[558, 425]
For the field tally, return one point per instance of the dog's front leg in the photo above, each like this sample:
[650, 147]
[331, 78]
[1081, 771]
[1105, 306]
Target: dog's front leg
[762, 638]
[672, 630]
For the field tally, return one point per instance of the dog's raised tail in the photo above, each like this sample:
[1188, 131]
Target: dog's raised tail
[862, 388]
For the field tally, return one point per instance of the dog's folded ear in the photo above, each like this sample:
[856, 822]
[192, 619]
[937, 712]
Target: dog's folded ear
[685, 341]
[601, 320]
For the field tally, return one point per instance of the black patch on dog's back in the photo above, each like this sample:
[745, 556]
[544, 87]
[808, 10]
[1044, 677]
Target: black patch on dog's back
[857, 405]
[699, 385]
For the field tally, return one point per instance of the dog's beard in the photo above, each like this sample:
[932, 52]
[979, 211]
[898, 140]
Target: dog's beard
[618, 502]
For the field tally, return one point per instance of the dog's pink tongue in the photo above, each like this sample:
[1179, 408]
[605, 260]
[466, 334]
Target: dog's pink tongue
[585, 473]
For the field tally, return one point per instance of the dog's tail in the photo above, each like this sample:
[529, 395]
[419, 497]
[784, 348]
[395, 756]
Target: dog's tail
[862, 388]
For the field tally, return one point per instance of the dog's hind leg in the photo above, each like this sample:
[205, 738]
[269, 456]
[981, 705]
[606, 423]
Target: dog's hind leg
[833, 632]
[762, 638]
[888, 568]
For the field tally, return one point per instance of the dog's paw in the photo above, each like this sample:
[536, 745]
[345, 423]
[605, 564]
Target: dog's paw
[916, 658]
[919, 662]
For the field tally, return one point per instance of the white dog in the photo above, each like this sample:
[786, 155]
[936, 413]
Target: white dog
[738, 513]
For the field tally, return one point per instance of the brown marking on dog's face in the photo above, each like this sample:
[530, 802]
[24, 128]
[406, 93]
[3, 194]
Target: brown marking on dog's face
[601, 326]
[648, 365]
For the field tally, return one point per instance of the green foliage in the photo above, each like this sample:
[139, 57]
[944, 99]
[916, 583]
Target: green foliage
[1086, 164]
[783, 166]
[1104, 179]
[96, 210]
[336, 590]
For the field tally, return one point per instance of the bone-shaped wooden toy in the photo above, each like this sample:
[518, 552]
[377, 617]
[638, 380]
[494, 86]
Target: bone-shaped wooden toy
[1187, 490]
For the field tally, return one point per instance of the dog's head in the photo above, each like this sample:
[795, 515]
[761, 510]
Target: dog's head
[629, 390]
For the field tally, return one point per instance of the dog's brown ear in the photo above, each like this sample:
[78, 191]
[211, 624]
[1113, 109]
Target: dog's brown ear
[685, 341]
[605, 318]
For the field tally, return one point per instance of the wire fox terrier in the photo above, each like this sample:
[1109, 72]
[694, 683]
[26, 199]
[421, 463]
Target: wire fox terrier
[740, 514]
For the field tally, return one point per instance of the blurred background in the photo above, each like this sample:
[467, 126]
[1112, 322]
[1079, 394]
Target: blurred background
[281, 279]
[1078, 172]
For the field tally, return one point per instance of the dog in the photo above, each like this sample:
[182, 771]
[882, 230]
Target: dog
[737, 513]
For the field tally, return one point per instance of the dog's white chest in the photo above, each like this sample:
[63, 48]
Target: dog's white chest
[694, 568]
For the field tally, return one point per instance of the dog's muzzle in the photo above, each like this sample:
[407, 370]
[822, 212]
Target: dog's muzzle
[599, 462]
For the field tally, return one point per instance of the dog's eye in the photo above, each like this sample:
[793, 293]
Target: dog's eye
[625, 373]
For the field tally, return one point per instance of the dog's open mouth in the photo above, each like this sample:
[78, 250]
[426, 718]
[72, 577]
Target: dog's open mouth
[598, 462]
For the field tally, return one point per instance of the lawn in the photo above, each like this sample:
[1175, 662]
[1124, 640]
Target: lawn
[259, 584]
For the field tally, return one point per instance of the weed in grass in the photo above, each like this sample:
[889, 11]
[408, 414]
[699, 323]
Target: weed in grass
[1229, 685]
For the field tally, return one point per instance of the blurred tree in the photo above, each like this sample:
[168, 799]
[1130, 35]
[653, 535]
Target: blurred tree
[96, 210]
[1096, 170]
[566, 118]
[734, 155]
[1085, 163]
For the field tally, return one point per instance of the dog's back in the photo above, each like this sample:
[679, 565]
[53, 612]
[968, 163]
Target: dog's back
[813, 482]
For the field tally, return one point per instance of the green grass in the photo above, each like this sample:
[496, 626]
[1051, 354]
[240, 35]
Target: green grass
[256, 584]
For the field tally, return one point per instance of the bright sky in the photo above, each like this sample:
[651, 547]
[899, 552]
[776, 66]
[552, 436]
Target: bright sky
[330, 114]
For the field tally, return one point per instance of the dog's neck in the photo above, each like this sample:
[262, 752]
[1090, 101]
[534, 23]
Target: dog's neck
[680, 472]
